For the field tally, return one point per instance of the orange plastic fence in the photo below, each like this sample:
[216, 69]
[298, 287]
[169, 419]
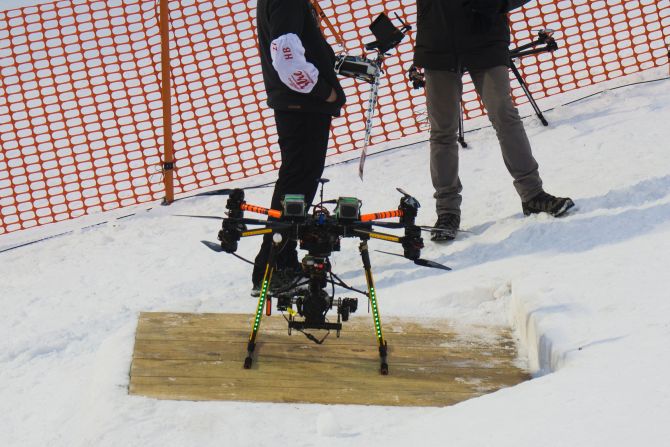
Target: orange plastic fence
[80, 105]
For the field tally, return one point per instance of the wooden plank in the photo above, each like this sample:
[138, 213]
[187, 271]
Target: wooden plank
[208, 390]
[271, 368]
[237, 350]
[210, 327]
[199, 357]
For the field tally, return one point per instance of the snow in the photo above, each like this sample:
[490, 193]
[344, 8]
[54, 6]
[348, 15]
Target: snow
[587, 295]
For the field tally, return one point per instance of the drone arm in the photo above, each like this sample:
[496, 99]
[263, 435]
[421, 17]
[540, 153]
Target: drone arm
[381, 215]
[378, 235]
[256, 232]
[260, 210]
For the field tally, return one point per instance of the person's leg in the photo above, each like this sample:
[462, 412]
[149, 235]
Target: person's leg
[443, 98]
[303, 142]
[493, 87]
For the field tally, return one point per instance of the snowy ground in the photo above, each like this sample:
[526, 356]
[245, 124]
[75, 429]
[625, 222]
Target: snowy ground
[587, 294]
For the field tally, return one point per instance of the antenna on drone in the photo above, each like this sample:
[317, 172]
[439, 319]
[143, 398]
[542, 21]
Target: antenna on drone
[323, 181]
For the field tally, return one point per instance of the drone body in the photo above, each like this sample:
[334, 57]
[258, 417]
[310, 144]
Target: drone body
[319, 233]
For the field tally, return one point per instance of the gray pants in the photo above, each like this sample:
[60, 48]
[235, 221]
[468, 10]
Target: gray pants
[443, 92]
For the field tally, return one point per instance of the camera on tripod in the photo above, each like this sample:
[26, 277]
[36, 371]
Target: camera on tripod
[545, 42]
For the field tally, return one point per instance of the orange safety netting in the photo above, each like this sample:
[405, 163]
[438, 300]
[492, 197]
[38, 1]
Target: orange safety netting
[80, 103]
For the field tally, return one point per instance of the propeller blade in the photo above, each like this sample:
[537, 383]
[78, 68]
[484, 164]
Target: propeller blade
[222, 191]
[199, 217]
[384, 224]
[420, 262]
[266, 223]
[409, 198]
[217, 248]
[432, 264]
[403, 192]
[227, 191]
[244, 220]
[398, 225]
[389, 253]
[216, 192]
[213, 246]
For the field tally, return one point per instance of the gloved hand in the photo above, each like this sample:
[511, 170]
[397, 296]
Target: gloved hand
[484, 13]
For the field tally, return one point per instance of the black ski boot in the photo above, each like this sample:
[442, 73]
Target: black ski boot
[546, 203]
[445, 228]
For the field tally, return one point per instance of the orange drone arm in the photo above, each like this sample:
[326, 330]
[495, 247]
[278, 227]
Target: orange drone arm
[381, 215]
[261, 210]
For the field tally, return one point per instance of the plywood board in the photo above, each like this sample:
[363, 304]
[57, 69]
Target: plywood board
[200, 357]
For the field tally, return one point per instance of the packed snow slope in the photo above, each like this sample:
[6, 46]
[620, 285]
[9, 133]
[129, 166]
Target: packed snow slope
[588, 296]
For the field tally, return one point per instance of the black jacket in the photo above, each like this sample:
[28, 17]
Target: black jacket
[276, 18]
[446, 39]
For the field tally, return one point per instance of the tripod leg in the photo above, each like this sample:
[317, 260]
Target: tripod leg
[265, 287]
[519, 78]
[461, 126]
[383, 348]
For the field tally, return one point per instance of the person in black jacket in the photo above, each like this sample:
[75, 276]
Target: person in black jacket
[454, 36]
[304, 92]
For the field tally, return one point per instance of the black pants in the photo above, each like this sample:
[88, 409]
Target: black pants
[303, 142]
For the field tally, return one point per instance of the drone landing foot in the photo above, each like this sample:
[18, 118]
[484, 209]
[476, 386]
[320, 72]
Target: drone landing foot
[262, 299]
[251, 346]
[384, 369]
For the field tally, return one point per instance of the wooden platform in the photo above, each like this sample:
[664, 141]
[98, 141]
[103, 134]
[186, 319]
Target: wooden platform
[200, 357]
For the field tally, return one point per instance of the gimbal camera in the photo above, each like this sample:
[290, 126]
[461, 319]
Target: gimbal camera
[307, 301]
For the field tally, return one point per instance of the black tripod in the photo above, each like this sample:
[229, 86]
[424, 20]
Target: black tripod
[545, 42]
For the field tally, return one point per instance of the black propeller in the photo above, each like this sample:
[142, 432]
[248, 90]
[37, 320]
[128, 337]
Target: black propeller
[213, 246]
[398, 225]
[421, 262]
[244, 220]
[199, 217]
[217, 248]
[223, 191]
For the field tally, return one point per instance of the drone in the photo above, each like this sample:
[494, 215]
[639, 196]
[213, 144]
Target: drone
[308, 301]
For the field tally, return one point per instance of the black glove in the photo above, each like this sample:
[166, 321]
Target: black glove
[484, 13]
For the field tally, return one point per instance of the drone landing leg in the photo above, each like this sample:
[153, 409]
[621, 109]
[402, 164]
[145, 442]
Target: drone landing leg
[383, 348]
[265, 287]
